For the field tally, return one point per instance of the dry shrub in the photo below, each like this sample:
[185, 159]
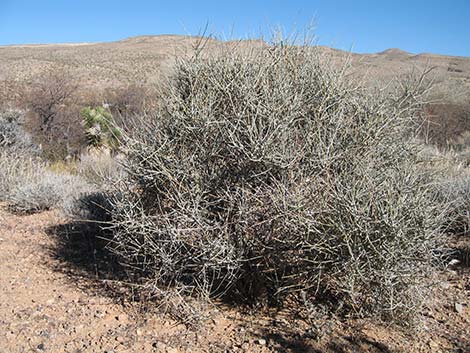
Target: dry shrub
[53, 119]
[11, 93]
[14, 169]
[265, 173]
[455, 191]
[99, 167]
[130, 100]
[445, 122]
[45, 191]
[28, 185]
[17, 152]
[12, 135]
[49, 94]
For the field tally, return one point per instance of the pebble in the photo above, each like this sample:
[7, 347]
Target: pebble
[458, 308]
[122, 318]
[262, 341]
[445, 285]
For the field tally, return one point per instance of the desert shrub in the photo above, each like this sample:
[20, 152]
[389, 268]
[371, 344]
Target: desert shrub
[130, 100]
[99, 168]
[445, 122]
[14, 169]
[53, 119]
[12, 135]
[92, 206]
[17, 152]
[265, 173]
[12, 91]
[455, 191]
[49, 94]
[45, 190]
[27, 184]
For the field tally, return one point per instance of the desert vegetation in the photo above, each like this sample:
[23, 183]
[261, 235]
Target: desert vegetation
[266, 173]
[254, 175]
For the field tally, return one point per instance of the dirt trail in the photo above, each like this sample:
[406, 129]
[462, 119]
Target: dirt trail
[48, 306]
[42, 309]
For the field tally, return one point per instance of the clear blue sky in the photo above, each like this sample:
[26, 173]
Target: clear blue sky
[438, 26]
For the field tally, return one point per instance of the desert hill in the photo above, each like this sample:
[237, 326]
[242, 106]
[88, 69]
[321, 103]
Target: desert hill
[142, 59]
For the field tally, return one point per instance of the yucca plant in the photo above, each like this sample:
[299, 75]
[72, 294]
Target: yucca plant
[100, 128]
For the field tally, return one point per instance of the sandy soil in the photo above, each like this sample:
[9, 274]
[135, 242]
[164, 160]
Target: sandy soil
[53, 301]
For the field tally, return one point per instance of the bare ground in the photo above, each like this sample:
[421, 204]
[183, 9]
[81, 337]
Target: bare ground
[54, 299]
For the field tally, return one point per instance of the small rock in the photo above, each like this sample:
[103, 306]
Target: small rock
[122, 318]
[139, 332]
[40, 346]
[445, 285]
[262, 341]
[458, 308]
[120, 339]
[454, 262]
[160, 346]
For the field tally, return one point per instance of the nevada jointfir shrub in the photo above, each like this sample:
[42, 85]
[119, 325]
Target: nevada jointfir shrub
[266, 173]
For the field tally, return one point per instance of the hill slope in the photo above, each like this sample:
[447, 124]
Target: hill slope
[142, 60]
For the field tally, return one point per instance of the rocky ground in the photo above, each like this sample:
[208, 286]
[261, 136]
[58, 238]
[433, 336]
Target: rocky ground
[52, 301]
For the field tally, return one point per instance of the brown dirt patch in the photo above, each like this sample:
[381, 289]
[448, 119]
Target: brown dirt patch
[49, 303]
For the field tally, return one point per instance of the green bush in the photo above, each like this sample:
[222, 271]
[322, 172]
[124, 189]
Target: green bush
[265, 173]
[100, 129]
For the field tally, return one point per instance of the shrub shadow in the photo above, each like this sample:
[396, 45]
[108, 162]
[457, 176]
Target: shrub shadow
[462, 254]
[81, 251]
[357, 344]
[305, 343]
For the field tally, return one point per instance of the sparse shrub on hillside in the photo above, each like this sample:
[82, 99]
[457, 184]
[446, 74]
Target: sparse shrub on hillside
[264, 173]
